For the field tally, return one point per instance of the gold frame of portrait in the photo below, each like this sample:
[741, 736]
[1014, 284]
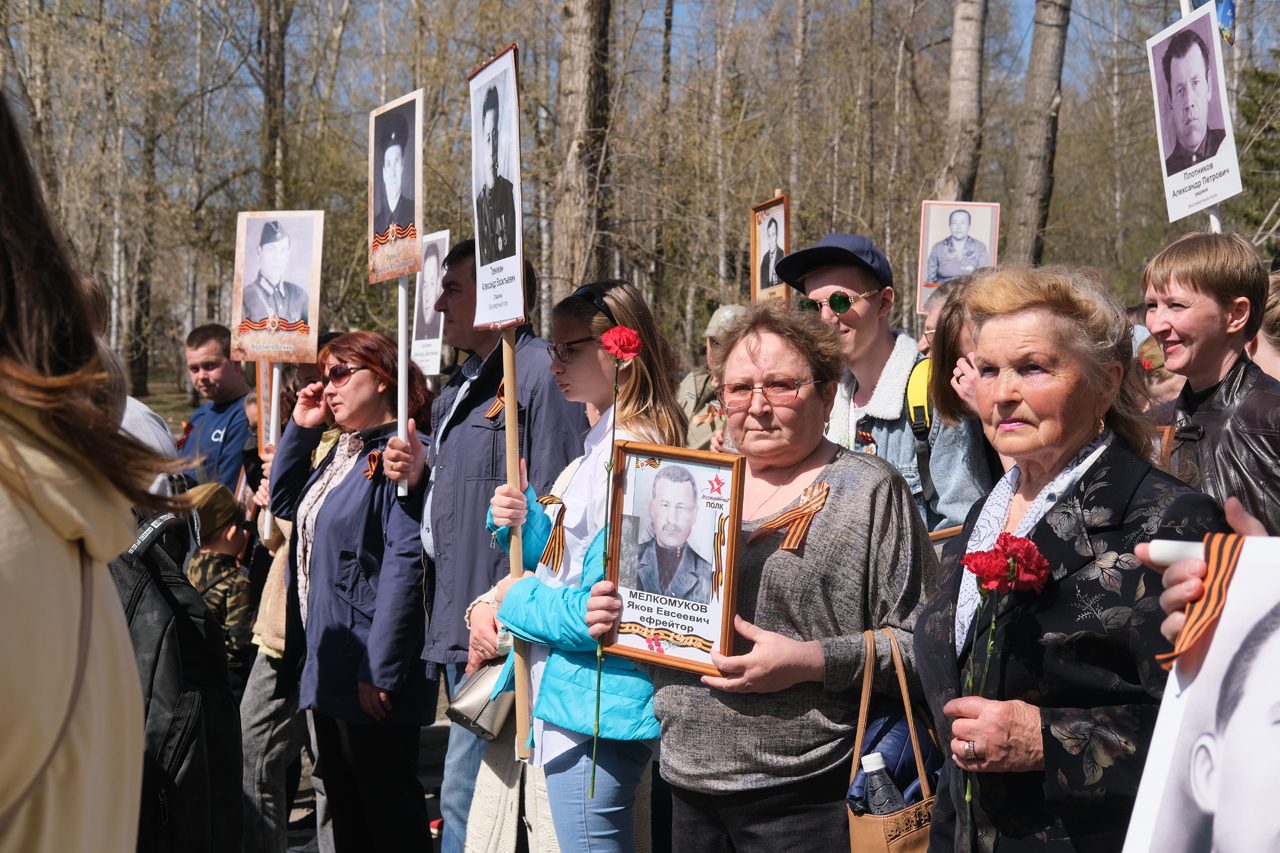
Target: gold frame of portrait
[758, 214]
[623, 453]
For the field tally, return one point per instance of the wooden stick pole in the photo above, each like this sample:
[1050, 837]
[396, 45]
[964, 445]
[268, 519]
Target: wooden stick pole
[510, 401]
[402, 372]
[273, 436]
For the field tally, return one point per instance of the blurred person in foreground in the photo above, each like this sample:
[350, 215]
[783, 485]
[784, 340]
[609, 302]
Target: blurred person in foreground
[1072, 656]
[71, 767]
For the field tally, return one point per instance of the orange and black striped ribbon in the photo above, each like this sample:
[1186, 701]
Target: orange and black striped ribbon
[274, 324]
[394, 232]
[651, 462]
[796, 521]
[1222, 554]
[708, 415]
[495, 408]
[374, 458]
[689, 641]
[868, 442]
[553, 554]
[717, 575]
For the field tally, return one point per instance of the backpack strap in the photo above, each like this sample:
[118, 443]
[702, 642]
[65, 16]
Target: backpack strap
[921, 416]
[77, 681]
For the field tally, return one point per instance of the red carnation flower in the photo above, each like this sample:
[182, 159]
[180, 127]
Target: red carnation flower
[1015, 563]
[621, 343]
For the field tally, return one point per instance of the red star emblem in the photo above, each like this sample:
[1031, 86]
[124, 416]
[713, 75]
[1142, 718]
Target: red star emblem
[716, 485]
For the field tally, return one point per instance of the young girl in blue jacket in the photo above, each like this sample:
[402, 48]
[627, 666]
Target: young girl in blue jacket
[548, 608]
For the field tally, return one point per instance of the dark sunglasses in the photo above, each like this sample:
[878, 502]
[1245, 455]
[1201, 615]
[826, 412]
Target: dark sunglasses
[594, 293]
[839, 301]
[563, 352]
[339, 375]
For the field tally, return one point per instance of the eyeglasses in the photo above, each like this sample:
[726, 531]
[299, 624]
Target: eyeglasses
[339, 375]
[929, 333]
[594, 293]
[562, 352]
[839, 301]
[736, 396]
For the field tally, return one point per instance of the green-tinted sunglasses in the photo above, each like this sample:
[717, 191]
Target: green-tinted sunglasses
[839, 301]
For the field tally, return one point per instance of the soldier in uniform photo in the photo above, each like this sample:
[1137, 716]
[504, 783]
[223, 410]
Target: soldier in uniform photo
[1189, 86]
[772, 254]
[269, 295]
[394, 206]
[958, 254]
[428, 324]
[495, 204]
[667, 565]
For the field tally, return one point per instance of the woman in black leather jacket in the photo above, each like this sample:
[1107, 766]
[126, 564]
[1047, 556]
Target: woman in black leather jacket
[1205, 297]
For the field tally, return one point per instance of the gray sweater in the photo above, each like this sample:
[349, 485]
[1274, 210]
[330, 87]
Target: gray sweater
[866, 563]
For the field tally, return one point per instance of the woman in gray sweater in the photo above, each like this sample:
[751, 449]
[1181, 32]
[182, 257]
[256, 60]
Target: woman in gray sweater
[759, 757]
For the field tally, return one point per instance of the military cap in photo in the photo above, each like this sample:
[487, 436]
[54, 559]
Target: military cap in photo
[272, 232]
[392, 130]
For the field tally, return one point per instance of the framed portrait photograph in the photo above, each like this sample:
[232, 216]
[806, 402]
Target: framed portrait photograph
[1206, 782]
[956, 238]
[495, 186]
[677, 514]
[1193, 119]
[275, 296]
[770, 240]
[428, 323]
[395, 188]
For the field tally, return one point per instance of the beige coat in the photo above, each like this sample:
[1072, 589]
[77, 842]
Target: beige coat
[88, 797]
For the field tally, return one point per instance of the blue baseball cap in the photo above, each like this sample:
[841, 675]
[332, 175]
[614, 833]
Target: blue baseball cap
[836, 250]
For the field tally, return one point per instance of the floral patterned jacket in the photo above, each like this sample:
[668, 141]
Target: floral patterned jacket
[1082, 651]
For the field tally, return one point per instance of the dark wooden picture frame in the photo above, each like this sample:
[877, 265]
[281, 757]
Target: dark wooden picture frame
[680, 624]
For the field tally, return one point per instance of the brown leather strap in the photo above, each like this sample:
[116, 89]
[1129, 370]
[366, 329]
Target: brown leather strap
[1166, 446]
[868, 669]
[82, 655]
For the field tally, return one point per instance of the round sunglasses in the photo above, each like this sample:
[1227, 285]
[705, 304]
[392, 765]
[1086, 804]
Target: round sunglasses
[839, 302]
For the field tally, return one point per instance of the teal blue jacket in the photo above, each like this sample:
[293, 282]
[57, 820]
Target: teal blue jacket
[556, 618]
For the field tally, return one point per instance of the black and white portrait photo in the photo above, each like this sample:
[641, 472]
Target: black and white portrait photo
[1193, 117]
[277, 284]
[1206, 785]
[956, 238]
[770, 239]
[495, 189]
[395, 176]
[495, 193]
[428, 322]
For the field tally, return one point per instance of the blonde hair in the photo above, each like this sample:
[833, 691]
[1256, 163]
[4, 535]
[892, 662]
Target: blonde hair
[813, 339]
[1092, 326]
[1225, 266]
[944, 350]
[646, 393]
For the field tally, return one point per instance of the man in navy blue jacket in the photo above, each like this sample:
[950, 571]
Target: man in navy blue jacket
[465, 463]
[218, 430]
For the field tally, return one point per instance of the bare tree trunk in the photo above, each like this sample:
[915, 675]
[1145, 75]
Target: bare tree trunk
[964, 106]
[1036, 135]
[799, 40]
[664, 140]
[275, 28]
[580, 244]
[1117, 129]
[139, 355]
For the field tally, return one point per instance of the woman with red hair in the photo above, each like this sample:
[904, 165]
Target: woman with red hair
[355, 615]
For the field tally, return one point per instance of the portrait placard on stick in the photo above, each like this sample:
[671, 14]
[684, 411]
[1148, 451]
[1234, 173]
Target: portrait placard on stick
[770, 240]
[1205, 785]
[395, 188]
[672, 505]
[1193, 123]
[275, 297]
[495, 186]
[956, 238]
[428, 323]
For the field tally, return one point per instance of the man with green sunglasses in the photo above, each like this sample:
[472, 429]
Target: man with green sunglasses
[847, 281]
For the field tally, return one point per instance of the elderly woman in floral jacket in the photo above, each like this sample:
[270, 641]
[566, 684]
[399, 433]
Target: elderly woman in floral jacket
[1046, 694]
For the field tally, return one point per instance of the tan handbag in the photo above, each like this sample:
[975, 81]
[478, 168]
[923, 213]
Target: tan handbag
[906, 831]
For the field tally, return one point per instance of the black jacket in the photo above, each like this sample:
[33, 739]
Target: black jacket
[1230, 443]
[1082, 650]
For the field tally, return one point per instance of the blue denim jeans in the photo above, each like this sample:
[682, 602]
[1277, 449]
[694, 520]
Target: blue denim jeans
[461, 766]
[605, 822]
